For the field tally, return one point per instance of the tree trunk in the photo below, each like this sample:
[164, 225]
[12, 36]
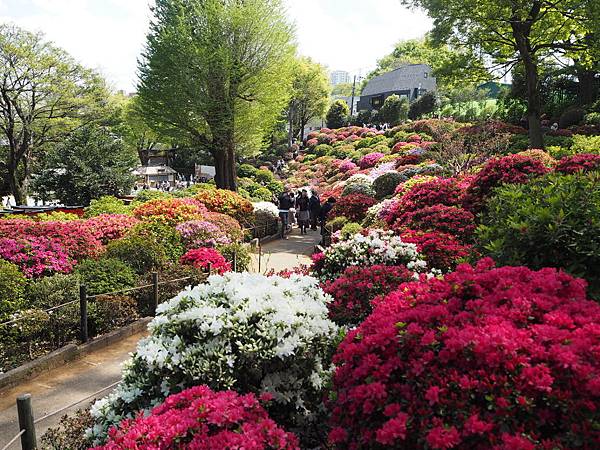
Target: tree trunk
[17, 185]
[291, 125]
[588, 86]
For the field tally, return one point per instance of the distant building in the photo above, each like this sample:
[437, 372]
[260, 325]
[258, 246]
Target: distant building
[410, 81]
[338, 77]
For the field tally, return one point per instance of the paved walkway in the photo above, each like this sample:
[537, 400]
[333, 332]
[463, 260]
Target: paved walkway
[62, 386]
[282, 254]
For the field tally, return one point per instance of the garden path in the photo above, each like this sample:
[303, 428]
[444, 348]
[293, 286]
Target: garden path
[282, 254]
[64, 385]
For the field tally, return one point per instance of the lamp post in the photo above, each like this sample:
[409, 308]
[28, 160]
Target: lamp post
[359, 78]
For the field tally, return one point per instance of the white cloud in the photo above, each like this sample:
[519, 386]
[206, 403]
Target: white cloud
[109, 34]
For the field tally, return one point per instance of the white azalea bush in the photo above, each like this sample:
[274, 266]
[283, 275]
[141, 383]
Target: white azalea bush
[265, 215]
[240, 331]
[369, 248]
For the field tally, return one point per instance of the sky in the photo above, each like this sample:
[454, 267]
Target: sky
[109, 35]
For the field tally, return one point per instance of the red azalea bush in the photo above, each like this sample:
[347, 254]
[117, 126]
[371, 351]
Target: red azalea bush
[498, 171]
[199, 418]
[441, 250]
[75, 237]
[206, 258]
[582, 162]
[409, 160]
[108, 227]
[227, 202]
[171, 211]
[354, 207]
[357, 287]
[370, 160]
[447, 219]
[485, 358]
[36, 256]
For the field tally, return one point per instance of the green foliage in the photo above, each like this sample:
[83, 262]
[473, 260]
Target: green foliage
[350, 229]
[553, 221]
[236, 251]
[337, 223]
[141, 253]
[48, 292]
[246, 171]
[91, 163]
[394, 109]
[323, 150]
[147, 195]
[425, 104]
[585, 144]
[386, 184]
[12, 288]
[338, 114]
[592, 118]
[572, 116]
[105, 275]
[106, 205]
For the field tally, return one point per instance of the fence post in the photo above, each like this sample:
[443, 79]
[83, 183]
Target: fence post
[154, 291]
[28, 439]
[83, 303]
[235, 261]
[259, 256]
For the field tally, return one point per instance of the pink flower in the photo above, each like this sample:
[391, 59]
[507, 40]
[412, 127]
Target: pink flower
[441, 437]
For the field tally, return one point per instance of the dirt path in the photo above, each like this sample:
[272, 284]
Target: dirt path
[62, 386]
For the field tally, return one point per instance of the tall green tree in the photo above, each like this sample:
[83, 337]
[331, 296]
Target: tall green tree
[338, 114]
[219, 73]
[90, 163]
[511, 32]
[44, 96]
[310, 95]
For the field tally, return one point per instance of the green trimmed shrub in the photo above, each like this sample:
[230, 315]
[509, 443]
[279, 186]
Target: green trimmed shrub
[12, 288]
[386, 184]
[48, 292]
[552, 221]
[337, 223]
[239, 251]
[350, 229]
[105, 275]
[106, 205]
[323, 150]
[138, 252]
[246, 171]
[163, 235]
[585, 144]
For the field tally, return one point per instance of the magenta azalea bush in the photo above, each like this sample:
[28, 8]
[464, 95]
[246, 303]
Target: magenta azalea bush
[488, 358]
[36, 256]
[370, 160]
[200, 233]
[206, 259]
[199, 418]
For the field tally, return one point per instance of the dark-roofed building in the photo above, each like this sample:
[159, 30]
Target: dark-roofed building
[410, 81]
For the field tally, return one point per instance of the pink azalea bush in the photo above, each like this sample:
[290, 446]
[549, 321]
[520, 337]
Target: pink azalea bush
[36, 256]
[205, 259]
[108, 227]
[582, 162]
[202, 419]
[370, 160]
[200, 233]
[490, 358]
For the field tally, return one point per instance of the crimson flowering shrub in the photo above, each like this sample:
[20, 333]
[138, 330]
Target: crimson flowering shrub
[353, 207]
[582, 162]
[227, 202]
[355, 289]
[441, 250]
[171, 211]
[484, 358]
[36, 256]
[76, 237]
[446, 219]
[108, 227]
[511, 169]
[409, 160]
[205, 259]
[199, 418]
[370, 160]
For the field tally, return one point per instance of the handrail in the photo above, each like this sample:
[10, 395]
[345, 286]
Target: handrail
[12, 441]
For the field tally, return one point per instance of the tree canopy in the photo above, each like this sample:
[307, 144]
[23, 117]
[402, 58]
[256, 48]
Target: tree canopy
[218, 72]
[338, 114]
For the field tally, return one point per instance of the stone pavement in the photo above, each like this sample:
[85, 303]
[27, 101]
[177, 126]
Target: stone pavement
[62, 386]
[283, 254]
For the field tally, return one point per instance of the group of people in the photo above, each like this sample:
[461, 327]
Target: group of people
[380, 127]
[304, 209]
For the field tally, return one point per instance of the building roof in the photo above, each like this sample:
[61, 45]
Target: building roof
[154, 170]
[404, 78]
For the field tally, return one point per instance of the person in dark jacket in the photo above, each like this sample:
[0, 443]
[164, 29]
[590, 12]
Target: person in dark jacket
[314, 207]
[285, 203]
[325, 210]
[302, 206]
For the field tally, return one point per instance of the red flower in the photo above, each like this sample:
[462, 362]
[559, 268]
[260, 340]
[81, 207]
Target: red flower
[354, 207]
[206, 258]
[583, 162]
[441, 437]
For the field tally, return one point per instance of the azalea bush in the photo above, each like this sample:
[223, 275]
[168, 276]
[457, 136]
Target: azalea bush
[354, 207]
[228, 225]
[484, 358]
[369, 248]
[356, 288]
[108, 227]
[105, 275]
[245, 332]
[549, 222]
[106, 205]
[12, 289]
[202, 418]
[440, 250]
[200, 233]
[171, 211]
[370, 160]
[446, 219]
[498, 171]
[583, 162]
[227, 202]
[206, 259]
[159, 234]
[141, 254]
[36, 256]
[386, 184]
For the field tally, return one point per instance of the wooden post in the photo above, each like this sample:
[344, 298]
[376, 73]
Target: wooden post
[154, 291]
[259, 255]
[83, 301]
[235, 261]
[28, 439]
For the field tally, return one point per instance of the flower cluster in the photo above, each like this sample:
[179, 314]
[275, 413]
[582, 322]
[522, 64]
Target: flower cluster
[200, 233]
[498, 171]
[353, 207]
[484, 358]
[227, 202]
[108, 227]
[355, 289]
[440, 250]
[226, 224]
[199, 418]
[206, 259]
[240, 331]
[582, 162]
[171, 211]
[446, 219]
[370, 160]
[36, 256]
[369, 248]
